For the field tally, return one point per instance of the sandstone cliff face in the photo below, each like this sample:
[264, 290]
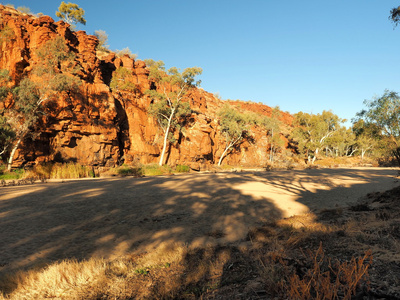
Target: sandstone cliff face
[98, 127]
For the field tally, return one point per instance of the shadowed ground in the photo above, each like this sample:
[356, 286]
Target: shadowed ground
[110, 217]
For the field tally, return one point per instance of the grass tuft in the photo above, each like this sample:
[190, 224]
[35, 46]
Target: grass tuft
[182, 169]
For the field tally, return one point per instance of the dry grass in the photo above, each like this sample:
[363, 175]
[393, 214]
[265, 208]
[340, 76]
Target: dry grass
[345, 161]
[59, 171]
[64, 280]
[124, 278]
[329, 280]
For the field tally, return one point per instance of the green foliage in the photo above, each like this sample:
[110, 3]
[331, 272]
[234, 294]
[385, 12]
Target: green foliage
[71, 13]
[162, 110]
[384, 112]
[395, 15]
[312, 132]
[6, 33]
[367, 137]
[273, 125]
[54, 57]
[4, 85]
[130, 171]
[175, 79]
[382, 120]
[54, 69]
[342, 142]
[142, 271]
[52, 77]
[122, 80]
[167, 106]
[234, 127]
[11, 175]
[7, 134]
[156, 170]
[182, 169]
[103, 38]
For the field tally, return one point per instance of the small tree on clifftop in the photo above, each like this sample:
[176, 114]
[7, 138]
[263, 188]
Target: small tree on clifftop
[71, 13]
[102, 36]
[167, 106]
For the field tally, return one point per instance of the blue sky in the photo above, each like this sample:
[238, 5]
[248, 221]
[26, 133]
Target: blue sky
[309, 55]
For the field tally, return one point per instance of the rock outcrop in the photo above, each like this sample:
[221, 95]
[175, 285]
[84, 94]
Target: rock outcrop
[99, 127]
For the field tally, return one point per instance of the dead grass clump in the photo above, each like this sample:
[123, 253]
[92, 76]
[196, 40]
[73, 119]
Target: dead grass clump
[70, 170]
[64, 280]
[325, 279]
[307, 221]
[341, 161]
[124, 278]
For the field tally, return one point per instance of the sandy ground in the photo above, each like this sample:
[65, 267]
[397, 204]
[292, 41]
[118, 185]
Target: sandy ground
[80, 219]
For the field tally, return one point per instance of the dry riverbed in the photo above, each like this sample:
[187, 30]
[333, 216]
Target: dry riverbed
[110, 217]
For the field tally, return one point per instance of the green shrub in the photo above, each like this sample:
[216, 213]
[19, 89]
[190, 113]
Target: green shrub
[182, 169]
[14, 174]
[125, 170]
[156, 170]
[122, 80]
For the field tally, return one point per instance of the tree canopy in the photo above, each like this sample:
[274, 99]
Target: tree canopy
[71, 13]
[234, 128]
[167, 106]
[122, 80]
[273, 126]
[313, 131]
[395, 15]
[383, 113]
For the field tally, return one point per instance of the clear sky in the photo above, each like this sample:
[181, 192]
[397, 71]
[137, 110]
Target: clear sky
[309, 55]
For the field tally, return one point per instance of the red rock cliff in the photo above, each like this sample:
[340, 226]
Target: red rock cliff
[97, 127]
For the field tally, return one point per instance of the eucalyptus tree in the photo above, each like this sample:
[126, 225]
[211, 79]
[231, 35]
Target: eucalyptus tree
[170, 89]
[384, 114]
[367, 136]
[71, 13]
[342, 142]
[273, 125]
[312, 132]
[234, 127]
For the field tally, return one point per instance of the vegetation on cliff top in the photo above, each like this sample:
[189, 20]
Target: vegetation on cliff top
[71, 13]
